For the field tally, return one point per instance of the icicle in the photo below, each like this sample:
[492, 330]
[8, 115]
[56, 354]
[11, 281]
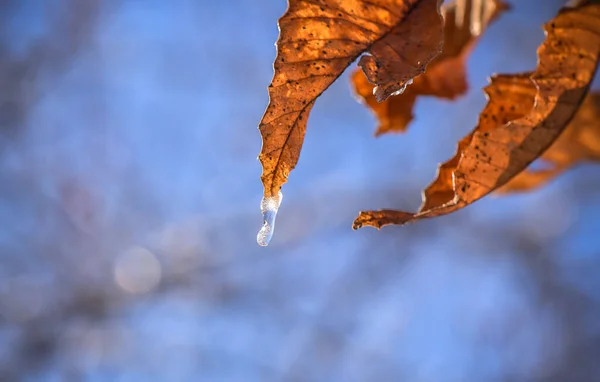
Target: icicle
[401, 90]
[268, 207]
[477, 10]
[459, 14]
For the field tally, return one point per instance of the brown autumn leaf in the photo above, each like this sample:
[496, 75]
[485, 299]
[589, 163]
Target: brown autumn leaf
[318, 40]
[580, 142]
[524, 115]
[445, 77]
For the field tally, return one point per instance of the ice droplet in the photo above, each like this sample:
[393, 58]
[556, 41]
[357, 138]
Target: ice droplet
[403, 88]
[268, 207]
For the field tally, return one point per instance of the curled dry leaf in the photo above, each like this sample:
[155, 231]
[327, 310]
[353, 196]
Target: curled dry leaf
[446, 75]
[318, 40]
[524, 115]
[580, 142]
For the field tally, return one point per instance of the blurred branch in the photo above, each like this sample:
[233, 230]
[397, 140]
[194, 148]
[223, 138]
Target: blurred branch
[69, 27]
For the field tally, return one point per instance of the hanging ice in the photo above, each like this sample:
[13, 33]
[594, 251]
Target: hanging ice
[402, 89]
[268, 207]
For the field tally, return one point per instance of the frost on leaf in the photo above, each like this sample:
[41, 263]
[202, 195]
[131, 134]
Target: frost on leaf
[446, 75]
[525, 114]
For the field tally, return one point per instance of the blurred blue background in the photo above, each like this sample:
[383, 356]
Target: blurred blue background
[129, 206]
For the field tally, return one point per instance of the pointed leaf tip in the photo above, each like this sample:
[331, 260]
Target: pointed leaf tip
[318, 40]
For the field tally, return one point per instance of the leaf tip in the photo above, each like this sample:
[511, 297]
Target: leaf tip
[363, 219]
[381, 218]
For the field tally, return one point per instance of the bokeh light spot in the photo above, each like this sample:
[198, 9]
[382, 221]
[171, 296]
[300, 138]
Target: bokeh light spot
[137, 270]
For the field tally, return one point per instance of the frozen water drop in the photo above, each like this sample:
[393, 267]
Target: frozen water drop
[268, 207]
[403, 88]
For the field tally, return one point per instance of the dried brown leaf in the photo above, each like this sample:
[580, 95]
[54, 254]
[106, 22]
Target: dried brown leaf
[523, 117]
[318, 40]
[445, 77]
[580, 142]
